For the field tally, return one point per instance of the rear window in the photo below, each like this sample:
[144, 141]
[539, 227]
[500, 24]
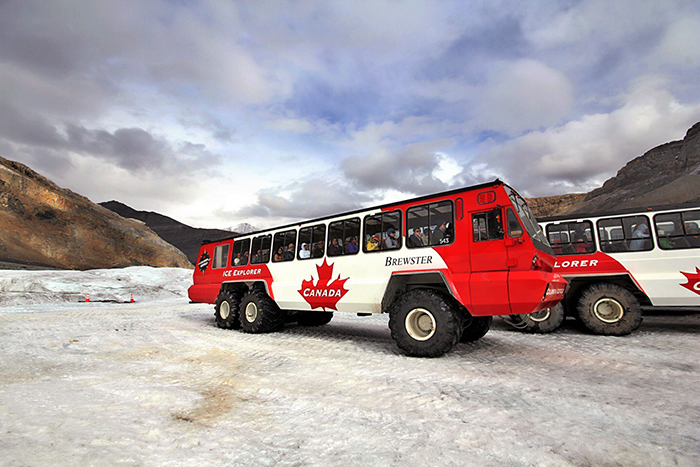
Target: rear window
[220, 257]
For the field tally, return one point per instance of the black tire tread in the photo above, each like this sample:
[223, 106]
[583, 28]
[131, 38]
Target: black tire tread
[448, 331]
[629, 322]
[270, 317]
[234, 300]
[476, 328]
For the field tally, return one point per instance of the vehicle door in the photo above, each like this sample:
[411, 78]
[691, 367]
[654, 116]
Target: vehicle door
[489, 264]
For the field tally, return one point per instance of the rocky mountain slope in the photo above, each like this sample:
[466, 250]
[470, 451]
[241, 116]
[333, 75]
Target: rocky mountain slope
[45, 225]
[666, 174]
[187, 239]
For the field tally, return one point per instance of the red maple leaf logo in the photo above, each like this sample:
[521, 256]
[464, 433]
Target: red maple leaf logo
[324, 294]
[693, 281]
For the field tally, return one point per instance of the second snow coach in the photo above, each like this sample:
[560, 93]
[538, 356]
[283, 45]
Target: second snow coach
[440, 265]
[618, 263]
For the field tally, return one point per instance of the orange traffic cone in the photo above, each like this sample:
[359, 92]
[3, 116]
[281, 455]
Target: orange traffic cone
[132, 299]
[87, 298]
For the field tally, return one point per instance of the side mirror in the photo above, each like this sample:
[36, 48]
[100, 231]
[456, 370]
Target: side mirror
[497, 214]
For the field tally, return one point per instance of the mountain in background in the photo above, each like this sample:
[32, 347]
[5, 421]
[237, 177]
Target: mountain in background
[242, 228]
[187, 239]
[665, 175]
[44, 225]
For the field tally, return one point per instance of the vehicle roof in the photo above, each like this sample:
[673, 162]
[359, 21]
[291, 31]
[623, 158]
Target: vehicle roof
[369, 208]
[668, 207]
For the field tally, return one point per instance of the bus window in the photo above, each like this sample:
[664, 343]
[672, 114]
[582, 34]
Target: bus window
[343, 237]
[312, 240]
[430, 225]
[220, 256]
[487, 225]
[678, 230]
[241, 250]
[620, 234]
[261, 249]
[283, 246]
[571, 238]
[382, 232]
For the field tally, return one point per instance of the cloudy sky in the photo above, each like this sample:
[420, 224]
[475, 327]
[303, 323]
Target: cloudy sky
[222, 112]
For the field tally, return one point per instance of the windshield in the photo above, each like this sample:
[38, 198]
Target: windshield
[528, 220]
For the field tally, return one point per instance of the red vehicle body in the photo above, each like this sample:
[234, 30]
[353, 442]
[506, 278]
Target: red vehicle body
[441, 265]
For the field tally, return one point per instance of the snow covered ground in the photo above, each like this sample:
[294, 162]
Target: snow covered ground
[156, 383]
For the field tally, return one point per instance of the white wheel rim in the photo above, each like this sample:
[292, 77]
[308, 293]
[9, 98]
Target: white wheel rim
[224, 310]
[540, 316]
[251, 312]
[608, 310]
[420, 324]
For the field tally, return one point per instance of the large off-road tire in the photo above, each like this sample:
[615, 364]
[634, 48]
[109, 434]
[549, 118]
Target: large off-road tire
[314, 318]
[475, 328]
[425, 323]
[609, 309]
[540, 322]
[259, 313]
[226, 309]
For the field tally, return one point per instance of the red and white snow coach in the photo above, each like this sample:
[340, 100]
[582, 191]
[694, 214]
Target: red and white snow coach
[440, 265]
[618, 263]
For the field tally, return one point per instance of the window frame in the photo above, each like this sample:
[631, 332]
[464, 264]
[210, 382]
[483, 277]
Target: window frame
[625, 240]
[262, 239]
[311, 242]
[233, 254]
[490, 211]
[382, 230]
[568, 226]
[685, 236]
[426, 206]
[286, 234]
[224, 263]
[343, 248]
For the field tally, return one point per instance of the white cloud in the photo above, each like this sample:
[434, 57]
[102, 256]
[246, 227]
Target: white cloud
[681, 43]
[581, 154]
[524, 95]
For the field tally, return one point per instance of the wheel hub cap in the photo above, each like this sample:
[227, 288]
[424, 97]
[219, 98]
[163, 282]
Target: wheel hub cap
[224, 309]
[420, 324]
[251, 312]
[608, 310]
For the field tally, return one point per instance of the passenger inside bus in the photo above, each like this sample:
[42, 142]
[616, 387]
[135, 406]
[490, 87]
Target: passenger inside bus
[304, 252]
[439, 234]
[334, 249]
[289, 254]
[351, 248]
[416, 240]
[317, 250]
[372, 243]
[278, 256]
[639, 234]
[391, 241]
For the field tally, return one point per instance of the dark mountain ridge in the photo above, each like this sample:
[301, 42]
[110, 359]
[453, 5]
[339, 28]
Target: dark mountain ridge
[668, 174]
